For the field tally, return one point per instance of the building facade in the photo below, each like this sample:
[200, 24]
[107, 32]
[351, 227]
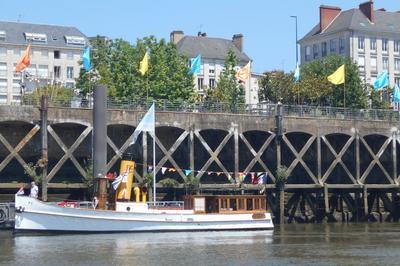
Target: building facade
[370, 37]
[55, 56]
[213, 52]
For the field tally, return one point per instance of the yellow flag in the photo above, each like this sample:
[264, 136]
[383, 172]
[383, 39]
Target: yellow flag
[144, 64]
[244, 73]
[338, 77]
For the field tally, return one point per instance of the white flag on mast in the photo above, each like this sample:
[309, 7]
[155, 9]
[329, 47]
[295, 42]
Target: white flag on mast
[147, 124]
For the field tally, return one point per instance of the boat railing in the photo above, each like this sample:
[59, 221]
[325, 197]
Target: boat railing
[173, 205]
[7, 212]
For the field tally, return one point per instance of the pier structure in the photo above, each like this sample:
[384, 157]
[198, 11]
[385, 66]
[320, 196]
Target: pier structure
[343, 166]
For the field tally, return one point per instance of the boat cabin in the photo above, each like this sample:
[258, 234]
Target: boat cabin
[225, 203]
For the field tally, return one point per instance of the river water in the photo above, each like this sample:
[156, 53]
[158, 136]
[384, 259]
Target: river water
[325, 244]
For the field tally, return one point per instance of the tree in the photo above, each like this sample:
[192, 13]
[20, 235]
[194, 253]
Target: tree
[277, 86]
[228, 89]
[116, 63]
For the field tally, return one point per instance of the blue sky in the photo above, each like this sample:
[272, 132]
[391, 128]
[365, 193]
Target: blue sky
[266, 24]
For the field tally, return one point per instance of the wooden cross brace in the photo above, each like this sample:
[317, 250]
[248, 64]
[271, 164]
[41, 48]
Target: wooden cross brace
[338, 159]
[14, 152]
[213, 154]
[299, 156]
[257, 155]
[375, 160]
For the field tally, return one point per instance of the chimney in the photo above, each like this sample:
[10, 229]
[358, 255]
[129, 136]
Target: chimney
[382, 9]
[176, 36]
[237, 40]
[367, 9]
[326, 15]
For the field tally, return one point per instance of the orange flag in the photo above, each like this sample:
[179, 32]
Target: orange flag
[244, 73]
[25, 60]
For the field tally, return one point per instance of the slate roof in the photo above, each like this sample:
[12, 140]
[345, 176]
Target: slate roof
[354, 19]
[55, 34]
[209, 48]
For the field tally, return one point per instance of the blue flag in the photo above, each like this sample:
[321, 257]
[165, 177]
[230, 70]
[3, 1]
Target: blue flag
[86, 59]
[382, 81]
[396, 94]
[195, 65]
[188, 172]
[297, 73]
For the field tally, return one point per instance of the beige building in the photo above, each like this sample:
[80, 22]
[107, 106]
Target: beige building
[370, 37]
[213, 52]
[56, 52]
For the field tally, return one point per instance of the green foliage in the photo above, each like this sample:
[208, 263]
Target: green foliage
[32, 170]
[116, 64]
[56, 93]
[147, 180]
[277, 86]
[168, 182]
[281, 176]
[191, 180]
[228, 89]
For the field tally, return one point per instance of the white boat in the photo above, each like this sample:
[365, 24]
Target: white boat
[199, 213]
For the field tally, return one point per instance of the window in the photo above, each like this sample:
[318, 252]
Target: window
[70, 72]
[361, 43]
[31, 70]
[323, 49]
[341, 45]
[3, 99]
[397, 46]
[3, 86]
[397, 64]
[308, 53]
[2, 35]
[3, 69]
[373, 64]
[16, 86]
[45, 53]
[332, 45]
[56, 54]
[75, 41]
[211, 70]
[315, 51]
[361, 63]
[211, 83]
[200, 84]
[3, 50]
[43, 71]
[57, 72]
[385, 63]
[69, 85]
[35, 37]
[70, 55]
[385, 45]
[17, 51]
[397, 81]
[16, 98]
[373, 44]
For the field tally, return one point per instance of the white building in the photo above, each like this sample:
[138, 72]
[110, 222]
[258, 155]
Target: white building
[56, 52]
[213, 52]
[370, 37]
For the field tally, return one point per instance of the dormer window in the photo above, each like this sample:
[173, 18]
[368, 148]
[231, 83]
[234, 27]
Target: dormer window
[2, 35]
[36, 37]
[75, 40]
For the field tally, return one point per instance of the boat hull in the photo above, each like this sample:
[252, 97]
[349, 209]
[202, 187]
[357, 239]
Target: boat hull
[34, 215]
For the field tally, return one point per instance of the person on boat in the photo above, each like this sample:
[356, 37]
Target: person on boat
[34, 190]
[21, 191]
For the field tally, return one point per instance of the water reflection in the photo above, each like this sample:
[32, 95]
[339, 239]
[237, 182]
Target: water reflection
[291, 244]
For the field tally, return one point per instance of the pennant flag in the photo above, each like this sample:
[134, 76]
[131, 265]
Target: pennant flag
[219, 173]
[25, 60]
[163, 169]
[171, 170]
[209, 173]
[229, 177]
[261, 179]
[147, 124]
[195, 65]
[338, 77]
[120, 179]
[150, 168]
[244, 73]
[188, 172]
[144, 64]
[396, 94]
[244, 176]
[252, 177]
[382, 81]
[86, 59]
[297, 73]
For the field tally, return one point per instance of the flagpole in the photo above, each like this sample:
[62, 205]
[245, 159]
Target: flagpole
[154, 156]
[344, 93]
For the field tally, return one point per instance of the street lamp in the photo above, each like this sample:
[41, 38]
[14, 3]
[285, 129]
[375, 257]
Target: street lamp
[297, 50]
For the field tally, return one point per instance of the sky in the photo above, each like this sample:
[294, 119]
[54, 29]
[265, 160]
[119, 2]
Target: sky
[268, 29]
